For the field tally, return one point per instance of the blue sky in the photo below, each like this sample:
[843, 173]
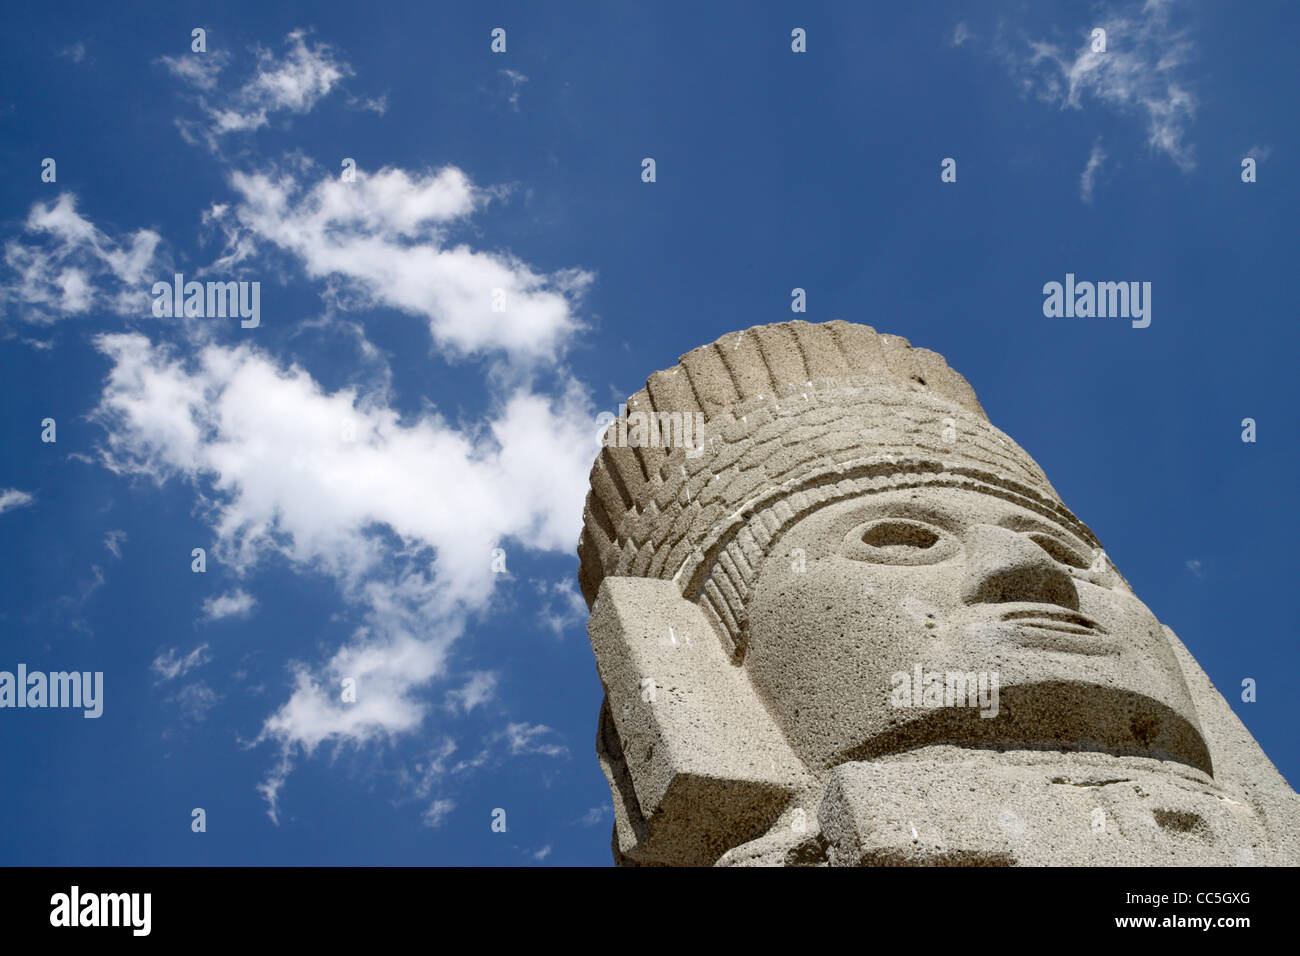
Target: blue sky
[473, 430]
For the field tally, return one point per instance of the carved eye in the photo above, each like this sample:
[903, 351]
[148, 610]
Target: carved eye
[899, 534]
[1059, 551]
[898, 541]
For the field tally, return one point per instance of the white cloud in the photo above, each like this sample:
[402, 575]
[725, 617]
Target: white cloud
[479, 689]
[385, 238]
[76, 52]
[170, 665]
[195, 700]
[436, 813]
[266, 444]
[1141, 72]
[515, 740]
[514, 84]
[200, 70]
[478, 761]
[525, 739]
[572, 608]
[273, 444]
[596, 816]
[305, 75]
[375, 104]
[1089, 175]
[543, 853]
[11, 498]
[421, 777]
[66, 263]
[294, 84]
[381, 241]
[113, 542]
[404, 513]
[70, 606]
[960, 34]
[237, 603]
[1196, 568]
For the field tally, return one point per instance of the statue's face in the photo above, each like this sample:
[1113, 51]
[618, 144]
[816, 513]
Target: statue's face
[958, 581]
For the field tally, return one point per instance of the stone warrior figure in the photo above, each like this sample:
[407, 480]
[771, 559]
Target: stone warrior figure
[853, 624]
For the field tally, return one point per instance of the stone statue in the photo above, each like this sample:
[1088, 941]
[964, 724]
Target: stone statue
[841, 619]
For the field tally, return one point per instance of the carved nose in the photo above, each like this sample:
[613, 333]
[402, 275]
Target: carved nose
[1004, 566]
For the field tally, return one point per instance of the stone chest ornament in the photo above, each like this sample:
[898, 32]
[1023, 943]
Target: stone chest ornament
[848, 621]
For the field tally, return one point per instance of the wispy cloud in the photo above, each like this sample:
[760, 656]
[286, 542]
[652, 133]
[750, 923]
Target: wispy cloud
[76, 52]
[194, 701]
[1088, 178]
[523, 738]
[199, 70]
[571, 609]
[479, 689]
[1142, 72]
[66, 266]
[436, 771]
[513, 82]
[375, 104]
[11, 498]
[595, 816]
[236, 603]
[291, 84]
[171, 664]
[113, 542]
[437, 812]
[69, 607]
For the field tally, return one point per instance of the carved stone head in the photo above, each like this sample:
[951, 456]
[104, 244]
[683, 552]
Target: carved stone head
[840, 617]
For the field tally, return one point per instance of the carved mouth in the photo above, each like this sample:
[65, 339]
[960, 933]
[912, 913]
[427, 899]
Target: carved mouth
[1047, 619]
[1057, 629]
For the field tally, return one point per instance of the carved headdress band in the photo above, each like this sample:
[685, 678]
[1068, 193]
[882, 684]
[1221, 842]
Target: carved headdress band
[795, 415]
